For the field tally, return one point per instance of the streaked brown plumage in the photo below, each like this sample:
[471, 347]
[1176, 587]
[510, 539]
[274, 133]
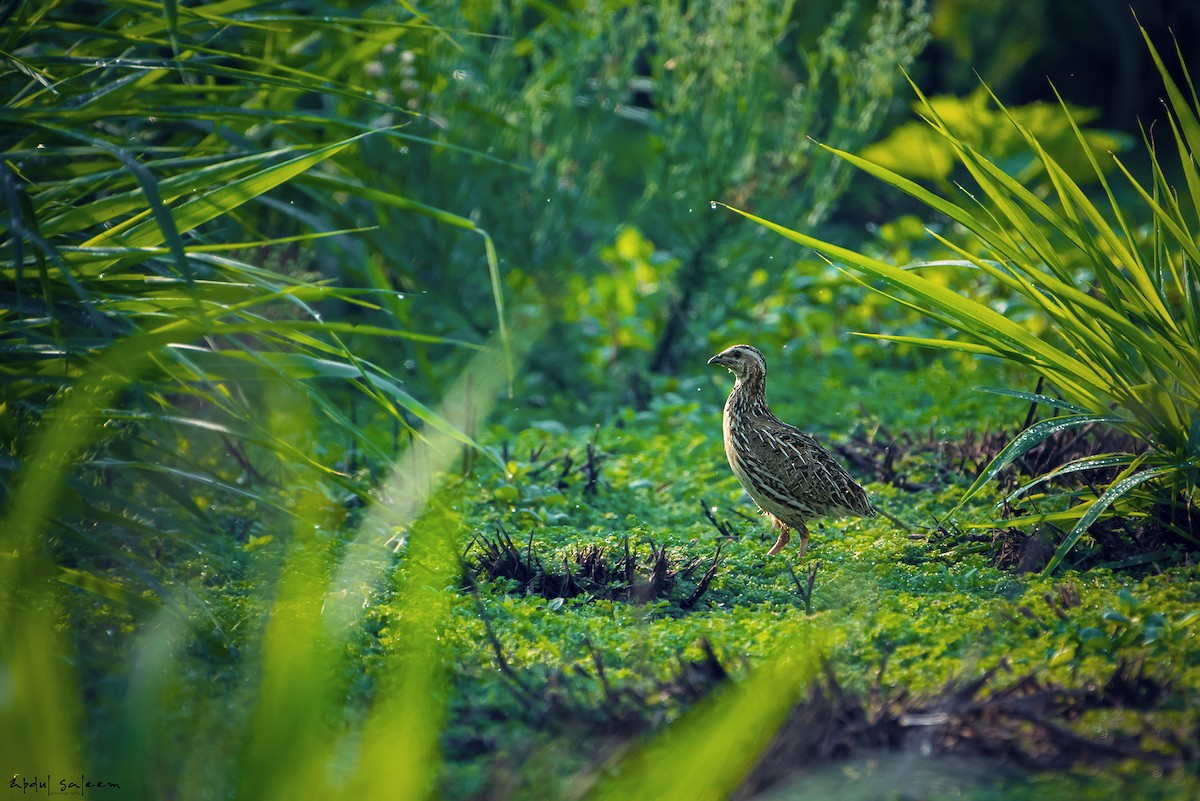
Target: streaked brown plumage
[787, 472]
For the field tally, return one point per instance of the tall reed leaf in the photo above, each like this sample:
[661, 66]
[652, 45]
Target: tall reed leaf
[708, 752]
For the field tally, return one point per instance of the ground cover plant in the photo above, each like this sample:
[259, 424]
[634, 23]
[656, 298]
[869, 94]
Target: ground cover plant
[307, 488]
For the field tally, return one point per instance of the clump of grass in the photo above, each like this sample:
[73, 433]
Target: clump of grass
[592, 570]
[138, 296]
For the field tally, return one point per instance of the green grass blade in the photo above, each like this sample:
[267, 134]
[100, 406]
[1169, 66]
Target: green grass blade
[448, 218]
[1026, 440]
[1099, 462]
[1114, 492]
[1032, 397]
[109, 590]
[224, 199]
[101, 211]
[1179, 104]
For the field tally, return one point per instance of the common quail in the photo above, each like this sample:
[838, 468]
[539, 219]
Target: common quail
[784, 470]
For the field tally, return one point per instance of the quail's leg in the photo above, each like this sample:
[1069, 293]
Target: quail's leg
[802, 530]
[784, 536]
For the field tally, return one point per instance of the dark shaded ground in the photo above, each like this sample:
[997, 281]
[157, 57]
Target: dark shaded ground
[1024, 722]
[995, 723]
[930, 463]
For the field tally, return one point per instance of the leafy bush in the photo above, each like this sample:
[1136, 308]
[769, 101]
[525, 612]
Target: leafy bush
[1122, 332]
[915, 150]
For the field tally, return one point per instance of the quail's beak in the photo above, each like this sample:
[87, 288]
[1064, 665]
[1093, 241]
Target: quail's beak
[718, 361]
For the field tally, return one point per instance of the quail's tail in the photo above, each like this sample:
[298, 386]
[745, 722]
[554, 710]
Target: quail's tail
[908, 528]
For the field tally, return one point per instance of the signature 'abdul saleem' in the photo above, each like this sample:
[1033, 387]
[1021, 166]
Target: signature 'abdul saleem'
[50, 786]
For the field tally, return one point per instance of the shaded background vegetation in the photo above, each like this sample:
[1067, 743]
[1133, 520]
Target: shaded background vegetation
[266, 267]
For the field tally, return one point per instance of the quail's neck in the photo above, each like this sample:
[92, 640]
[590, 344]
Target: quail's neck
[750, 394]
[751, 384]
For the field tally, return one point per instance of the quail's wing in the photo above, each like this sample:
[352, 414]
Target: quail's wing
[811, 473]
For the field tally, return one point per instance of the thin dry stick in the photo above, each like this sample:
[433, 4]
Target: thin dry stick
[702, 587]
[805, 592]
[724, 529]
[519, 686]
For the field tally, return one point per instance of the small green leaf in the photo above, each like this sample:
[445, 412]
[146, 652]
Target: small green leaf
[255, 543]
[1061, 656]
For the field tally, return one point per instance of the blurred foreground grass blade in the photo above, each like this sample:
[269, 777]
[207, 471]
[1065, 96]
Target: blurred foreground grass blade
[400, 754]
[397, 755]
[707, 753]
[298, 688]
[415, 478]
[40, 711]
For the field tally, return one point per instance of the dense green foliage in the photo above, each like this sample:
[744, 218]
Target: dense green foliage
[627, 117]
[356, 438]
[143, 165]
